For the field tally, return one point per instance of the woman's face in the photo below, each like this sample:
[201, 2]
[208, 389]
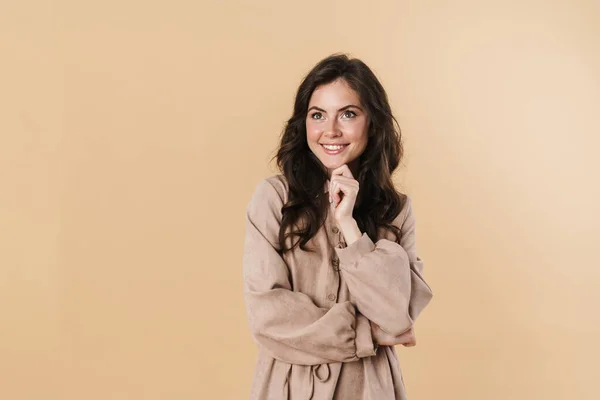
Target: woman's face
[336, 117]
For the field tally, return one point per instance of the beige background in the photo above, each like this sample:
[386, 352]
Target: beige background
[134, 132]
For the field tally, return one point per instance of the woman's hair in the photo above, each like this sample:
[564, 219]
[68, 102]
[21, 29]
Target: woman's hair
[378, 202]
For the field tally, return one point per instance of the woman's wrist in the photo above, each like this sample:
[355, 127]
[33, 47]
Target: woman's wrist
[350, 231]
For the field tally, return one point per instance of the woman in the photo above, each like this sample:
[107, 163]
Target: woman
[331, 277]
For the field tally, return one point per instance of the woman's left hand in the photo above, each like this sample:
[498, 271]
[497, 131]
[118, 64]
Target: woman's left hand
[343, 189]
[380, 337]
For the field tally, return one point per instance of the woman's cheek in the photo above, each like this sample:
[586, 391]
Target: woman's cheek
[312, 132]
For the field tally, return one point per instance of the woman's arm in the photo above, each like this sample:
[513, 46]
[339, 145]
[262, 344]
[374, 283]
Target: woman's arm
[385, 278]
[288, 324]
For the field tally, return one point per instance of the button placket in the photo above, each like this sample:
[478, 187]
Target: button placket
[339, 238]
[335, 278]
[336, 263]
[333, 283]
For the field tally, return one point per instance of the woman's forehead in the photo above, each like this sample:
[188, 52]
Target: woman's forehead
[334, 94]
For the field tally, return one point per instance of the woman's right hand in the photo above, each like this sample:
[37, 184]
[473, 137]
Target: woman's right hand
[383, 338]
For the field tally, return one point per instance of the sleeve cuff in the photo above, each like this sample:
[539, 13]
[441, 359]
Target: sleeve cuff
[364, 340]
[353, 252]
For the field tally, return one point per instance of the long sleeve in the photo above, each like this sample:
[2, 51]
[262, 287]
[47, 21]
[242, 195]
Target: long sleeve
[385, 278]
[288, 324]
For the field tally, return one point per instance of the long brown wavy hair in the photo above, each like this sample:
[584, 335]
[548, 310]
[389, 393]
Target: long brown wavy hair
[378, 202]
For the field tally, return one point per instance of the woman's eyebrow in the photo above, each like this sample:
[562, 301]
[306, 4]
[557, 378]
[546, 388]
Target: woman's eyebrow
[341, 109]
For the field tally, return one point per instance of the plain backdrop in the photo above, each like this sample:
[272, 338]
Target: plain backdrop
[132, 134]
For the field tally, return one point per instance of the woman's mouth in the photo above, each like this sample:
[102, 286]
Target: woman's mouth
[334, 149]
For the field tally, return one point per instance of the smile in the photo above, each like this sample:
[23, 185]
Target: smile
[334, 149]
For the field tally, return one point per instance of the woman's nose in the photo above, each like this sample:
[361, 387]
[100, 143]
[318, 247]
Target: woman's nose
[331, 128]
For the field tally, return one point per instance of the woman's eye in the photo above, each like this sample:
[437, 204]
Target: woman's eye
[316, 115]
[349, 114]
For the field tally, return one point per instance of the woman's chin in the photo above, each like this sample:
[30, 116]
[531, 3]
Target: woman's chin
[332, 164]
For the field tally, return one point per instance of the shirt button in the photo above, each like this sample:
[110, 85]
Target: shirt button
[331, 296]
[336, 263]
[335, 229]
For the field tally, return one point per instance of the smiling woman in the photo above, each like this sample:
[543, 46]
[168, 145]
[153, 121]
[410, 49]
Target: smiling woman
[336, 124]
[327, 309]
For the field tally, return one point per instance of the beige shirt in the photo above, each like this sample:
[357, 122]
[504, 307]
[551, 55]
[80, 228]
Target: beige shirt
[310, 313]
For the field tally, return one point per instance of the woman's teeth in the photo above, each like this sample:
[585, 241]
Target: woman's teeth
[333, 150]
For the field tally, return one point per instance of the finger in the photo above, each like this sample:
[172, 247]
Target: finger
[341, 178]
[408, 341]
[348, 188]
[343, 170]
[345, 185]
[331, 194]
[336, 190]
[406, 336]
